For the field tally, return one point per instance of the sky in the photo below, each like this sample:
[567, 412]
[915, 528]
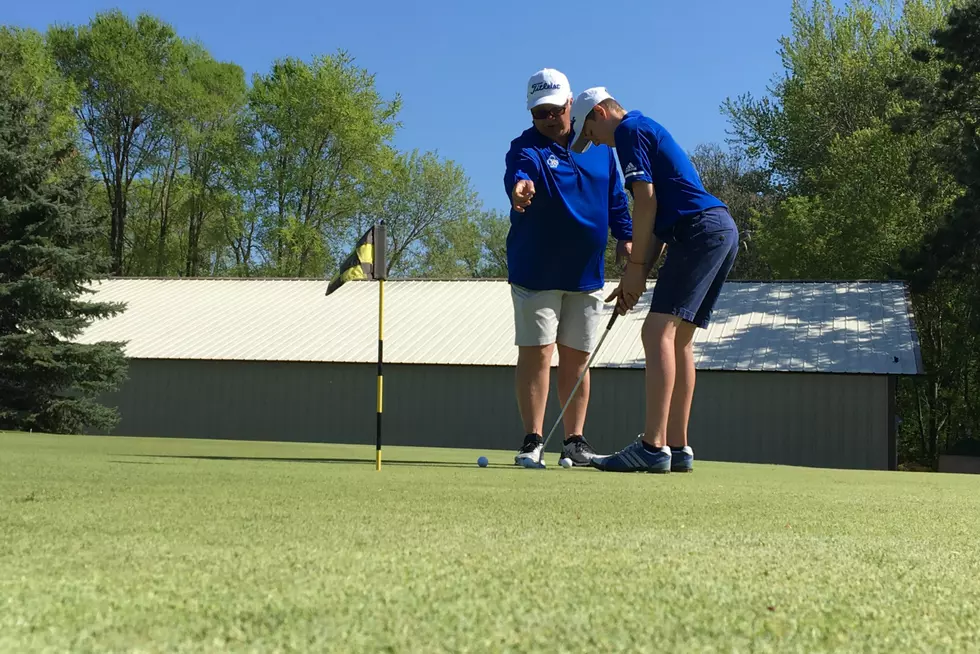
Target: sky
[461, 68]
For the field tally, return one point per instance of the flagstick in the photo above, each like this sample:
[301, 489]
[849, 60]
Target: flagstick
[381, 322]
[356, 266]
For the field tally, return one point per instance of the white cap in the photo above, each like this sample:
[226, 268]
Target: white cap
[548, 86]
[581, 107]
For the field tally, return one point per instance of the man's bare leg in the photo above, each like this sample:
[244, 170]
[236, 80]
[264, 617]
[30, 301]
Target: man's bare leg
[659, 331]
[571, 363]
[651, 454]
[533, 379]
[683, 393]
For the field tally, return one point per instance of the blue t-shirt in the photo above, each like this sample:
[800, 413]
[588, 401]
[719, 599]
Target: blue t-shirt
[648, 153]
[559, 242]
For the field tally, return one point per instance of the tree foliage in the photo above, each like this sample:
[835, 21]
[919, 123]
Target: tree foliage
[947, 109]
[846, 201]
[427, 204]
[851, 194]
[204, 173]
[128, 75]
[24, 56]
[745, 188]
[48, 382]
[943, 268]
[319, 128]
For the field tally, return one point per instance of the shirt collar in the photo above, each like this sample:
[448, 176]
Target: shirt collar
[544, 141]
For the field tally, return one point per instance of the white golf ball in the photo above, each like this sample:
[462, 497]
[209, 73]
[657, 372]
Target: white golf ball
[565, 462]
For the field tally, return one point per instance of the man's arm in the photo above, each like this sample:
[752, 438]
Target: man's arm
[519, 177]
[635, 146]
[620, 223]
[647, 248]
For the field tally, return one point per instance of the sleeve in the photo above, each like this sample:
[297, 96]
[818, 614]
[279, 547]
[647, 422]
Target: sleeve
[620, 222]
[520, 165]
[634, 148]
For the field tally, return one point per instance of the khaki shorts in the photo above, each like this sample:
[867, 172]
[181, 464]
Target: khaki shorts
[545, 317]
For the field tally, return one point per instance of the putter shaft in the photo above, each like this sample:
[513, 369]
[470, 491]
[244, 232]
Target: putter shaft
[580, 378]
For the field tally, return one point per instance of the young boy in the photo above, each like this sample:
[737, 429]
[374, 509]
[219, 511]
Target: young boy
[670, 208]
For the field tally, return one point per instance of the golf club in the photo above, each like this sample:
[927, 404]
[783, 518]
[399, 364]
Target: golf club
[528, 463]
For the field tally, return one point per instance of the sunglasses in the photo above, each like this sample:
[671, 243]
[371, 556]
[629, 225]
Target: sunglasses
[544, 113]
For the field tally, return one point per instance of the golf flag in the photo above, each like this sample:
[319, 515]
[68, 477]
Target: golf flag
[367, 261]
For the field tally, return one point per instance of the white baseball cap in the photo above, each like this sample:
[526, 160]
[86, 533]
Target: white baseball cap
[583, 104]
[548, 86]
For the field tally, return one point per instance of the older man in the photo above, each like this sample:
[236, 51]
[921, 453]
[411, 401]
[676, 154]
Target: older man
[563, 207]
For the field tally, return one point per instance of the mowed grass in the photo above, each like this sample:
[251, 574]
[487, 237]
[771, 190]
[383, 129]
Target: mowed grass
[145, 545]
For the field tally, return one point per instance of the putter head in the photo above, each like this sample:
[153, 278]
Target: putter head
[532, 465]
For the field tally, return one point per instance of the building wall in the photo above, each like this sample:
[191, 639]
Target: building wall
[776, 418]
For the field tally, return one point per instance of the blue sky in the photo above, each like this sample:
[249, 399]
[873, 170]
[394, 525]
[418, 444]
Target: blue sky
[462, 67]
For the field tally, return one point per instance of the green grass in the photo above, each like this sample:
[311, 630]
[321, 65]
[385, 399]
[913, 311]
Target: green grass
[116, 544]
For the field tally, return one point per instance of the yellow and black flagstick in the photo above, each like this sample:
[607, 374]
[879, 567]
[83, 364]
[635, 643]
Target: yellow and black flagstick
[367, 261]
[381, 341]
[381, 274]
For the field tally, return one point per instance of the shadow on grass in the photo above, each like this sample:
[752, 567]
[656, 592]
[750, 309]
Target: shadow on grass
[335, 460]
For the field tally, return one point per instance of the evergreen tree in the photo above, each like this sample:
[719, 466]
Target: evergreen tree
[950, 108]
[48, 382]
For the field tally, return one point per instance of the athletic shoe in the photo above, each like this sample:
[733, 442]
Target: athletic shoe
[531, 449]
[578, 450]
[635, 458]
[682, 460]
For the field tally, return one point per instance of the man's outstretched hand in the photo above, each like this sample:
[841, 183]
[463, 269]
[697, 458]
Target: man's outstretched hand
[521, 196]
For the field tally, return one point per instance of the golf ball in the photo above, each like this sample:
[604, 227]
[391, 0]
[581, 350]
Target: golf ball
[565, 462]
[482, 462]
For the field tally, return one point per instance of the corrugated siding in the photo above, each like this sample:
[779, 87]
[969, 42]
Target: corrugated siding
[804, 327]
[772, 418]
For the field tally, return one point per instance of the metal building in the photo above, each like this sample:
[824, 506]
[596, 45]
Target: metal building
[799, 373]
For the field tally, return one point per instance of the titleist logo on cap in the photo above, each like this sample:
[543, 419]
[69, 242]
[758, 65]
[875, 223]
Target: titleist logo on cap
[544, 86]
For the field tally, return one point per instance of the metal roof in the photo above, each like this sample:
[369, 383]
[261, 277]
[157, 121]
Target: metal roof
[836, 327]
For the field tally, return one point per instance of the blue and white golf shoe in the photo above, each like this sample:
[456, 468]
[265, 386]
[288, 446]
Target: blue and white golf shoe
[682, 459]
[635, 458]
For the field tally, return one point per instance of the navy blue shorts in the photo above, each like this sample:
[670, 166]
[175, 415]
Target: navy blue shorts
[700, 253]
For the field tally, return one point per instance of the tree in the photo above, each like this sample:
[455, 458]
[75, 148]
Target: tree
[319, 128]
[849, 193]
[218, 95]
[125, 72]
[948, 107]
[943, 269]
[474, 246]
[729, 176]
[493, 228]
[241, 217]
[175, 209]
[32, 70]
[48, 382]
[429, 209]
[846, 204]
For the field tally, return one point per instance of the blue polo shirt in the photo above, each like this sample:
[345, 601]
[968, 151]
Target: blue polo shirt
[648, 153]
[559, 242]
